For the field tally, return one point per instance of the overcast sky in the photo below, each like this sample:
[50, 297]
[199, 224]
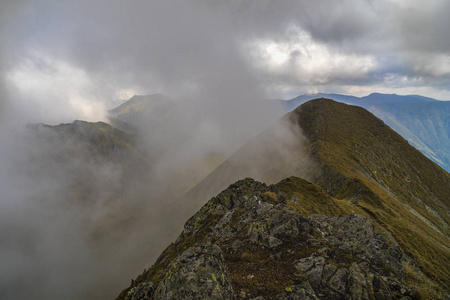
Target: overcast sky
[72, 59]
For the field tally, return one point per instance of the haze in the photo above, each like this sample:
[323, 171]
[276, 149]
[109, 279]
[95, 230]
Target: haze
[220, 60]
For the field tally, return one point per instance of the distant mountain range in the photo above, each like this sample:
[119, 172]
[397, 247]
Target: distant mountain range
[351, 155]
[372, 99]
[291, 240]
[424, 122]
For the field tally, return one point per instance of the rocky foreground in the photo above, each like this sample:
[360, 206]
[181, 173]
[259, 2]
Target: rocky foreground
[249, 242]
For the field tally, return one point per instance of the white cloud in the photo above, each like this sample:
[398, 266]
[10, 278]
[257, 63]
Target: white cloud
[125, 94]
[307, 61]
[433, 65]
[52, 90]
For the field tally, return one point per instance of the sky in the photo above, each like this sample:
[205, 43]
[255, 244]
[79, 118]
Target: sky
[62, 60]
[65, 60]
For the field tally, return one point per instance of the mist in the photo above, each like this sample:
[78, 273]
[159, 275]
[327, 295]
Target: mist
[80, 223]
[77, 223]
[81, 213]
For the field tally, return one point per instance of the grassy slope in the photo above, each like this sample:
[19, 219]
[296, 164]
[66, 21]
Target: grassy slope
[361, 166]
[424, 122]
[355, 157]
[311, 199]
[424, 125]
[302, 196]
[99, 138]
[367, 163]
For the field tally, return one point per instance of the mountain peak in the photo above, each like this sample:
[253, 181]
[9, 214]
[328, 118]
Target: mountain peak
[359, 161]
[251, 241]
[378, 98]
[151, 97]
[141, 109]
[382, 94]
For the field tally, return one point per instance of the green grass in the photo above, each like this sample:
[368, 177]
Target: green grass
[366, 163]
[363, 167]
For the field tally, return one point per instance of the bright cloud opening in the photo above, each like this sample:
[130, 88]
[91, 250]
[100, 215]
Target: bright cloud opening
[55, 90]
[298, 56]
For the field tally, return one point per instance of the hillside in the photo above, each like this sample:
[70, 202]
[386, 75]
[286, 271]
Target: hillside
[424, 122]
[143, 109]
[426, 126]
[364, 161]
[189, 138]
[72, 192]
[250, 242]
[96, 141]
[94, 164]
[355, 157]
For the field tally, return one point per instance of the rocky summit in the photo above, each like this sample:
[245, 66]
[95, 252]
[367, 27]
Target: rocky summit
[252, 242]
[360, 166]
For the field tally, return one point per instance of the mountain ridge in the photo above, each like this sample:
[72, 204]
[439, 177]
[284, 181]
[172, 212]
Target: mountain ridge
[423, 121]
[251, 241]
[427, 127]
[368, 166]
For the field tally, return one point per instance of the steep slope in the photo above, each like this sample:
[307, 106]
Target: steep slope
[355, 157]
[379, 98]
[189, 138]
[249, 242]
[424, 122]
[74, 197]
[275, 154]
[372, 99]
[426, 126]
[95, 141]
[364, 161]
[167, 129]
[94, 163]
[299, 100]
[150, 109]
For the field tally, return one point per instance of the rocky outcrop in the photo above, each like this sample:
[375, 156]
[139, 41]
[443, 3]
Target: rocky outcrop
[248, 243]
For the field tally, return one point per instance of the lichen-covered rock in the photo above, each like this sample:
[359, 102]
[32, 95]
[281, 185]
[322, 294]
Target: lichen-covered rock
[142, 291]
[247, 243]
[198, 273]
[303, 291]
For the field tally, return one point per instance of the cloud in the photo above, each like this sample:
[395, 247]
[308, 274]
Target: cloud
[52, 91]
[303, 61]
[198, 48]
[63, 60]
[423, 27]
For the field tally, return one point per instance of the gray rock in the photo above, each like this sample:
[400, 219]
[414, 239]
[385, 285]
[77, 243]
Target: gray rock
[305, 264]
[142, 291]
[273, 242]
[199, 273]
[358, 285]
[303, 291]
[315, 275]
[328, 271]
[289, 228]
[236, 244]
[338, 281]
[237, 235]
